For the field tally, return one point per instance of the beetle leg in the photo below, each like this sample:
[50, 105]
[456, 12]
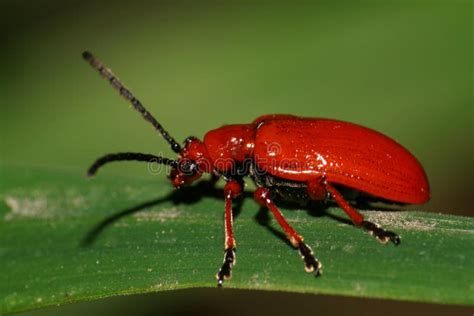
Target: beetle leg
[381, 234]
[262, 196]
[232, 190]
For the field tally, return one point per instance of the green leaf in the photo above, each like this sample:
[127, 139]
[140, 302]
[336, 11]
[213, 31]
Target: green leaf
[64, 238]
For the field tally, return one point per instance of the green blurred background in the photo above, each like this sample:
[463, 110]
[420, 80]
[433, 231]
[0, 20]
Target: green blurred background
[401, 67]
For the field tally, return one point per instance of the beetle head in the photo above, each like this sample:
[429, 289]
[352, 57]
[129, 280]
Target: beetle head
[192, 163]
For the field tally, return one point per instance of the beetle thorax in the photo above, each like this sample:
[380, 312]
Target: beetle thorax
[229, 146]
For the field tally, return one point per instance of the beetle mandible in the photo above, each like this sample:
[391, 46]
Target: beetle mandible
[289, 158]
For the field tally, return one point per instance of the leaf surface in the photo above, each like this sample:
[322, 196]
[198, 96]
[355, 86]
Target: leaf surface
[64, 238]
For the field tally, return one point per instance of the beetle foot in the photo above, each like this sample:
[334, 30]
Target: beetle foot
[311, 264]
[225, 272]
[381, 234]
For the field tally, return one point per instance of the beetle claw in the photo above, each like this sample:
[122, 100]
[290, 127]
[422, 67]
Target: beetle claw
[225, 272]
[395, 238]
[381, 234]
[311, 264]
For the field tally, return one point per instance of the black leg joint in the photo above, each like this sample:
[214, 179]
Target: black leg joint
[225, 272]
[381, 234]
[311, 264]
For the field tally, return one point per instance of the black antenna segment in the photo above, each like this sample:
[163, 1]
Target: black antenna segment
[125, 93]
[130, 157]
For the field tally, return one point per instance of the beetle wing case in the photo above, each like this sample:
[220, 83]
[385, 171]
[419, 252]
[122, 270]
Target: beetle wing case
[303, 149]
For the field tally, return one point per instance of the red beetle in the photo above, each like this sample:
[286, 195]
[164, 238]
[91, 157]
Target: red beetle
[291, 158]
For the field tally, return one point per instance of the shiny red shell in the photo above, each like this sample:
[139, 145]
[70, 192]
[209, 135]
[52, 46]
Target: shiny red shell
[308, 149]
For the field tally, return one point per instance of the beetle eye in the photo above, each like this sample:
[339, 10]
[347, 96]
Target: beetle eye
[188, 167]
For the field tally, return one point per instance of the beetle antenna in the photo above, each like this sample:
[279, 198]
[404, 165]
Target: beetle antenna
[124, 92]
[129, 156]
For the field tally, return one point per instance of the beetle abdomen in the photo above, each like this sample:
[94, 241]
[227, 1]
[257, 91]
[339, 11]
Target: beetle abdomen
[303, 149]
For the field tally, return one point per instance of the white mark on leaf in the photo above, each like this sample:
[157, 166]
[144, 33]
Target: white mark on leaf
[158, 216]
